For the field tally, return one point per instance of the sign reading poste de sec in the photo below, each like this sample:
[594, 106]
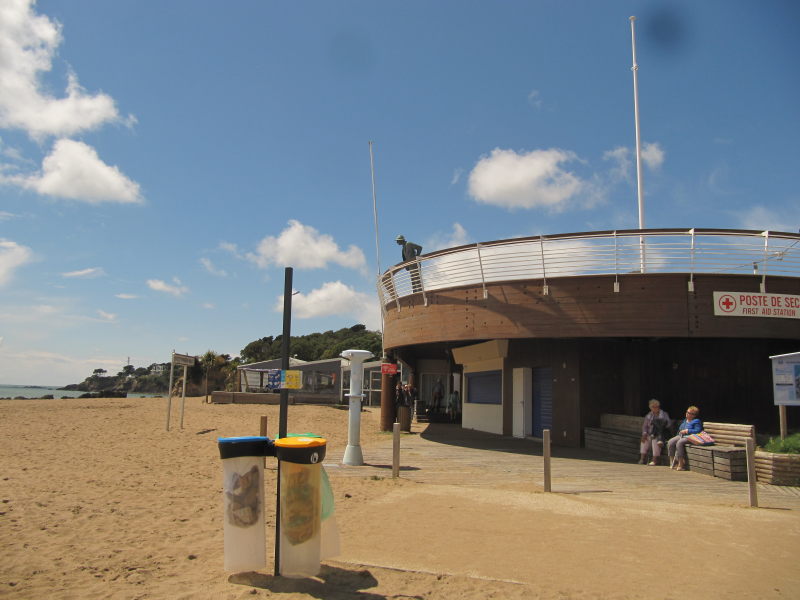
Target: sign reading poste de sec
[749, 304]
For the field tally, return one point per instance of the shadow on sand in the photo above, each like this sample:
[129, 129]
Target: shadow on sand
[333, 583]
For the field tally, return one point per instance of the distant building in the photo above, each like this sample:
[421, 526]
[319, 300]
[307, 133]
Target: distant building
[324, 381]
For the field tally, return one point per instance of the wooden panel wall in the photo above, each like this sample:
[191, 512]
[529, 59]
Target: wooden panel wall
[657, 305]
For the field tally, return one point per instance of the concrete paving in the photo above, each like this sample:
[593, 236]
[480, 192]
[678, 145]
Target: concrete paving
[444, 454]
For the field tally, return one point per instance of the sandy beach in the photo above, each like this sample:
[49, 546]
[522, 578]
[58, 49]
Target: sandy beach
[98, 500]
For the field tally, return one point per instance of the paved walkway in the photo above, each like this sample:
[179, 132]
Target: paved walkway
[445, 454]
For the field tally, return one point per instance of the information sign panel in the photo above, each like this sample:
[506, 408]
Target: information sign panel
[786, 379]
[291, 380]
[389, 368]
[183, 360]
[274, 379]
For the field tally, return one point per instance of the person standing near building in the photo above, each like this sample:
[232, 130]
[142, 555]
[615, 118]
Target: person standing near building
[438, 395]
[410, 252]
[654, 432]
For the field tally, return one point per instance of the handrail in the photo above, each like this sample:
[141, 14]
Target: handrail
[617, 252]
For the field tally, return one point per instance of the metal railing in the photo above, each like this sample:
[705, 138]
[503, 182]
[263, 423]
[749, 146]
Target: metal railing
[691, 251]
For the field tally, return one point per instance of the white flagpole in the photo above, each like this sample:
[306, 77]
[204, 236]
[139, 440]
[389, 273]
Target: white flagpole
[639, 181]
[377, 244]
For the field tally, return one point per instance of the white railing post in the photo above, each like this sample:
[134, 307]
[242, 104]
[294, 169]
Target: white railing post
[616, 264]
[691, 272]
[420, 280]
[766, 259]
[483, 278]
[545, 289]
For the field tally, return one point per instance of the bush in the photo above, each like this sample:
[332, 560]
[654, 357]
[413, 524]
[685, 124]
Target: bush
[791, 445]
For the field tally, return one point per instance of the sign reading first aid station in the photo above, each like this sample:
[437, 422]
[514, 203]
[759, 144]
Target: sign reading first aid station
[748, 304]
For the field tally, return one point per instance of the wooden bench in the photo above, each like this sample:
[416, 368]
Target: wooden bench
[620, 435]
[727, 457]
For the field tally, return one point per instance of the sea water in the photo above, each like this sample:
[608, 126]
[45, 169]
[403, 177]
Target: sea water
[37, 391]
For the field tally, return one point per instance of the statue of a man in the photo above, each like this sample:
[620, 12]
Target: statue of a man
[410, 252]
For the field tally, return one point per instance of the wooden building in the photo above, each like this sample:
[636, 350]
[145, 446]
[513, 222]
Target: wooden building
[550, 332]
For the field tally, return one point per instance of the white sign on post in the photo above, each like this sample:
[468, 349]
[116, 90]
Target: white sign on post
[786, 379]
[183, 360]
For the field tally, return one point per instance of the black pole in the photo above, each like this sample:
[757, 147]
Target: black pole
[283, 419]
[287, 325]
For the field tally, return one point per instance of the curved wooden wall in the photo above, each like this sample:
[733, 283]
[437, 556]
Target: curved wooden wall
[647, 305]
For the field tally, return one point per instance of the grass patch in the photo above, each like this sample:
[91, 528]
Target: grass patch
[791, 445]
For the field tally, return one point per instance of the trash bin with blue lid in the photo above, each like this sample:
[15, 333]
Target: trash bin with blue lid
[243, 501]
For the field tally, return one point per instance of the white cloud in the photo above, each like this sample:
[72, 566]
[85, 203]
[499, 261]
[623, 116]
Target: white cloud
[303, 247]
[335, 298]
[89, 273]
[209, 266]
[208, 305]
[126, 296]
[73, 170]
[30, 43]
[107, 316]
[762, 218]
[535, 99]
[12, 257]
[159, 285]
[653, 155]
[533, 179]
[621, 157]
[5, 216]
[457, 237]
[457, 173]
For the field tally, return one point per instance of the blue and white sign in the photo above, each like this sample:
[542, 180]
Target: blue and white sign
[786, 379]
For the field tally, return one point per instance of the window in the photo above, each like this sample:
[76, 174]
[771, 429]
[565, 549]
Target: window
[485, 387]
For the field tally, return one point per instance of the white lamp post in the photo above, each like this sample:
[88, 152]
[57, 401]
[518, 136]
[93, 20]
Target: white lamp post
[352, 454]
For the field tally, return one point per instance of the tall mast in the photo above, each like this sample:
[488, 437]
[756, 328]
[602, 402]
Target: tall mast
[639, 181]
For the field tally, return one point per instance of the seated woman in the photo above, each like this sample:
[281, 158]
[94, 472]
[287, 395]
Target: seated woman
[654, 432]
[676, 447]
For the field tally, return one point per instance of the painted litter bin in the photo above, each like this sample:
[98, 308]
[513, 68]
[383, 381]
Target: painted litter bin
[243, 501]
[300, 504]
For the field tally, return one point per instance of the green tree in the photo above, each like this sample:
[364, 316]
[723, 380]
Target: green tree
[208, 360]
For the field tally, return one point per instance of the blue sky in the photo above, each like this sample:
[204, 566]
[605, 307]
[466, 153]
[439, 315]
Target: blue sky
[162, 162]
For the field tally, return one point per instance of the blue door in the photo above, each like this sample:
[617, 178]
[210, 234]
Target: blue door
[542, 400]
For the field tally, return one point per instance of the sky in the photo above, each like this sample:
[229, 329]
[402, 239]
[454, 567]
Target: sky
[161, 163]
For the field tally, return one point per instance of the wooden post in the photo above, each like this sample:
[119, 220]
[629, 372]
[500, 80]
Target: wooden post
[546, 454]
[183, 395]
[169, 392]
[751, 471]
[262, 431]
[782, 416]
[395, 450]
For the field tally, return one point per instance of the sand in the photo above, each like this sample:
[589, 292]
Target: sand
[98, 500]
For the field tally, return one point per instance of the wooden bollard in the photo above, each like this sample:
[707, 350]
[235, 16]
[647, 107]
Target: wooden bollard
[751, 471]
[263, 428]
[546, 454]
[395, 450]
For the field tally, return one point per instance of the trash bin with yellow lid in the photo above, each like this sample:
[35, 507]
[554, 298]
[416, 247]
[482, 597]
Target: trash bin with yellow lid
[300, 503]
